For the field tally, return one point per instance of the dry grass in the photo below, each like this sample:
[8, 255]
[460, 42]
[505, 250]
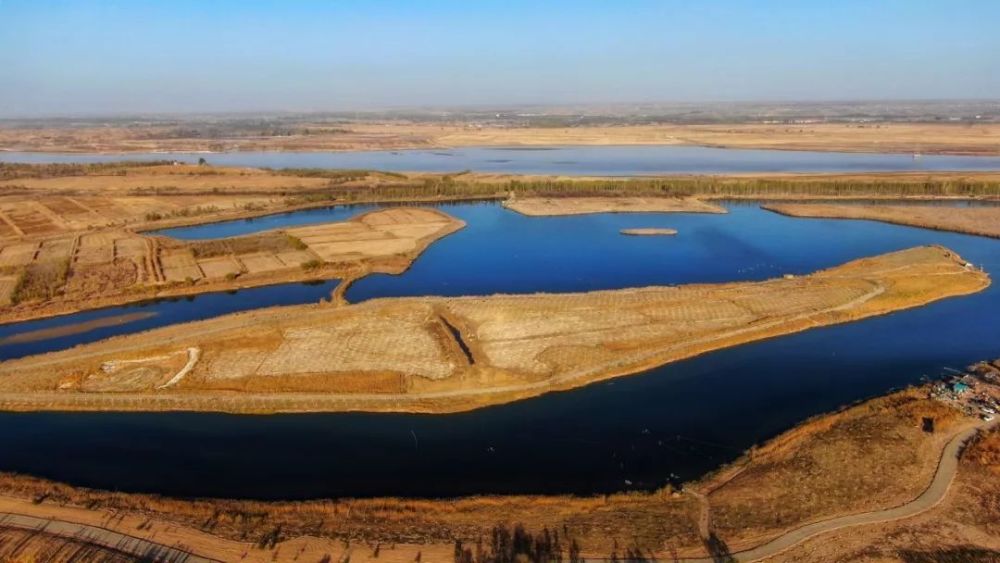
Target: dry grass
[983, 221]
[982, 138]
[868, 457]
[598, 524]
[170, 179]
[581, 206]
[30, 546]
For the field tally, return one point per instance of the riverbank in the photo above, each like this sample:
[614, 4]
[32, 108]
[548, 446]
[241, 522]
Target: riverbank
[453, 354]
[870, 457]
[981, 221]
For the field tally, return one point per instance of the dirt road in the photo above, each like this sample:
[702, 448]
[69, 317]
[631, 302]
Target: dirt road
[931, 497]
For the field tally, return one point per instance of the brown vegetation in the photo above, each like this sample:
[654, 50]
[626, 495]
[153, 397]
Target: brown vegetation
[580, 206]
[983, 221]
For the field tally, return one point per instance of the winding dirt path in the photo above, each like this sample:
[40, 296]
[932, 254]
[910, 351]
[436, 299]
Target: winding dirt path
[931, 497]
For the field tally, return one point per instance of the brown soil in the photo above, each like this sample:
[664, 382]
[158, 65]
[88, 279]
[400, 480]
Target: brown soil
[984, 221]
[519, 346]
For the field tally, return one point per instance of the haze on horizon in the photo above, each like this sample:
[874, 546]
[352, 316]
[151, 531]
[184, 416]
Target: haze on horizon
[72, 57]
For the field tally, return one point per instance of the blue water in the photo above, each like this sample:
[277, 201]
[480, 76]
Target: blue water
[563, 160]
[684, 418]
[239, 227]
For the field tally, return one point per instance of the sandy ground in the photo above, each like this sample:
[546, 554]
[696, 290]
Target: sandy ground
[449, 354]
[542, 207]
[984, 221]
[649, 232]
[869, 457]
[925, 138]
[112, 266]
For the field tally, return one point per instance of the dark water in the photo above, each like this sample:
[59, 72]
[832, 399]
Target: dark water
[564, 160]
[683, 418]
[165, 312]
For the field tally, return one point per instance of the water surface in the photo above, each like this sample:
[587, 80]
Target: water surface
[682, 419]
[562, 160]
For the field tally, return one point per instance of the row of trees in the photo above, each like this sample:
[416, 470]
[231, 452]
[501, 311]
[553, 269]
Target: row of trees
[445, 188]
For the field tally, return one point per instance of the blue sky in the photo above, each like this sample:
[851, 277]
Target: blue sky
[100, 57]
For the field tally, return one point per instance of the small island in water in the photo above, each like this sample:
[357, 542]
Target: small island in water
[648, 232]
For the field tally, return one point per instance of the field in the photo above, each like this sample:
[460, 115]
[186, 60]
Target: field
[869, 456]
[448, 354]
[975, 138]
[983, 221]
[112, 266]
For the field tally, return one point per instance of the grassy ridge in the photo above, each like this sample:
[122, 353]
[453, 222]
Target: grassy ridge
[447, 187]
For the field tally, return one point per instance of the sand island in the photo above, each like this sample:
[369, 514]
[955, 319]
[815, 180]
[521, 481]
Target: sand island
[451, 354]
[649, 232]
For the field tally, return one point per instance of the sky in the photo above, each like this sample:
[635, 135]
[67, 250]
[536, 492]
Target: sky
[71, 57]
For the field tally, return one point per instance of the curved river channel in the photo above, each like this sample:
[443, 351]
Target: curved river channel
[673, 422]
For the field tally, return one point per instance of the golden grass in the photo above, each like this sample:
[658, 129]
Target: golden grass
[983, 221]
[583, 205]
[868, 457]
